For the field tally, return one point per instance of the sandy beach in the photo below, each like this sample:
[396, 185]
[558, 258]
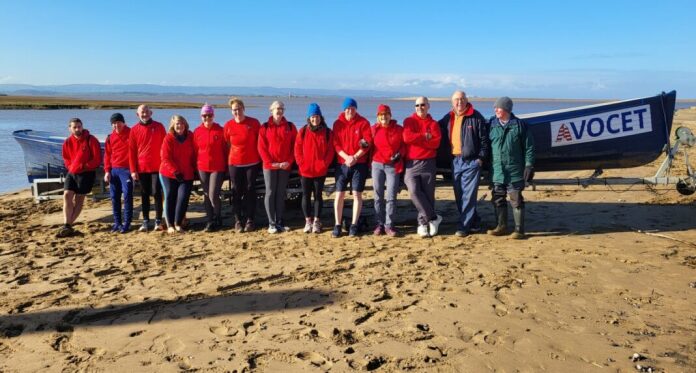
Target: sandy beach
[608, 272]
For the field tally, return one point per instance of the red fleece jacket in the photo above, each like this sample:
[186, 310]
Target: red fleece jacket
[415, 128]
[178, 157]
[314, 151]
[211, 148]
[242, 139]
[81, 154]
[387, 142]
[145, 146]
[276, 142]
[116, 150]
[347, 136]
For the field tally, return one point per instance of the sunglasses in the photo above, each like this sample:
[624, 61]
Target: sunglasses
[421, 105]
[207, 115]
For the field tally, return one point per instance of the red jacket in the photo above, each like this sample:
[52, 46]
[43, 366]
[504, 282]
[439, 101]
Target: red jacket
[242, 139]
[81, 154]
[347, 136]
[145, 146]
[387, 142]
[211, 148]
[178, 157]
[116, 150]
[415, 128]
[276, 142]
[314, 151]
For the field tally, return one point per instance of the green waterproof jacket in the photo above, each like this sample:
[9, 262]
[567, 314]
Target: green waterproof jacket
[512, 148]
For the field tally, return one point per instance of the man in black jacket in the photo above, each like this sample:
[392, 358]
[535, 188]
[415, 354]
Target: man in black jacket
[465, 134]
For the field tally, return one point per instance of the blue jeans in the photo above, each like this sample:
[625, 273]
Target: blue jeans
[176, 199]
[121, 184]
[466, 182]
[385, 175]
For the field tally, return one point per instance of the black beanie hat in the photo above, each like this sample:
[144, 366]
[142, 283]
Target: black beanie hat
[117, 117]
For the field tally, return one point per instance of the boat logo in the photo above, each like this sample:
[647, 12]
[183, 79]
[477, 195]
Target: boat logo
[601, 126]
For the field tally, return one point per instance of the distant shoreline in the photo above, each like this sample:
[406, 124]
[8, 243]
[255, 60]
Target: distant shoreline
[61, 103]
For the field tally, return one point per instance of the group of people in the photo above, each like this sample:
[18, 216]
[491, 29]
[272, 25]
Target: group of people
[166, 162]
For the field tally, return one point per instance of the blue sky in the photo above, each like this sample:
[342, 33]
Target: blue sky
[587, 49]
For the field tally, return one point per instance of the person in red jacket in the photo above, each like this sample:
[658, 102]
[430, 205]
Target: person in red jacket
[117, 173]
[276, 145]
[314, 153]
[211, 148]
[82, 156]
[176, 171]
[422, 136]
[352, 141]
[145, 144]
[387, 164]
[244, 163]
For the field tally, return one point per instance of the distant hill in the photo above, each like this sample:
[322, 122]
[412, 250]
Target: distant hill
[153, 89]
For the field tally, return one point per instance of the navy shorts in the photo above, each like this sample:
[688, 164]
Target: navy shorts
[81, 183]
[356, 175]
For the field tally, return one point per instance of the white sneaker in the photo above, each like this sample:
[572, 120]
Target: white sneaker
[272, 229]
[307, 228]
[423, 231]
[171, 230]
[434, 225]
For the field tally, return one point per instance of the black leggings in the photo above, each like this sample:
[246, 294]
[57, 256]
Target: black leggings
[243, 185]
[150, 186]
[177, 195]
[312, 185]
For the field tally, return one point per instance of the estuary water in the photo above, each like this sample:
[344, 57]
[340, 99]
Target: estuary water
[12, 171]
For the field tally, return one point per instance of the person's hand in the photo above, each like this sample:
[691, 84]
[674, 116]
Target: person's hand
[350, 160]
[364, 144]
[529, 174]
[395, 158]
[284, 165]
[107, 177]
[134, 176]
[479, 161]
[179, 177]
[428, 136]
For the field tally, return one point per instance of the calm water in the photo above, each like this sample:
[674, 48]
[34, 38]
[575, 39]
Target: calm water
[12, 170]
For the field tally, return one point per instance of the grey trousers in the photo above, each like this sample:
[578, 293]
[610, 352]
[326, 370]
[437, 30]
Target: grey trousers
[212, 183]
[384, 175]
[420, 181]
[276, 182]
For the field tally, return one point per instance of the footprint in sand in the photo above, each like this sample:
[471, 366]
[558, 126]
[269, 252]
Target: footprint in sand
[223, 331]
[166, 344]
[315, 359]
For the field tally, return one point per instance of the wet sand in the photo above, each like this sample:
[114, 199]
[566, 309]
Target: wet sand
[606, 273]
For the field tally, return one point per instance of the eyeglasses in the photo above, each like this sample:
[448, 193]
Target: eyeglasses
[207, 115]
[421, 105]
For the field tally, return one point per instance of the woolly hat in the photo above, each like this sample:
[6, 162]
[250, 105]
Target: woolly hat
[382, 108]
[207, 109]
[117, 117]
[504, 103]
[349, 102]
[313, 109]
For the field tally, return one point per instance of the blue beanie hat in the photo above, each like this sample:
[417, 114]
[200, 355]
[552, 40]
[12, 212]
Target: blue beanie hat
[348, 102]
[313, 109]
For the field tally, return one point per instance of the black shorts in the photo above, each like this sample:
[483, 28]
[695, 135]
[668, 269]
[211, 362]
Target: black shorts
[81, 183]
[356, 174]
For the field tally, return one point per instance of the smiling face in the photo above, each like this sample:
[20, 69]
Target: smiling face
[422, 106]
[144, 113]
[118, 126]
[238, 112]
[459, 102]
[350, 112]
[502, 114]
[208, 119]
[179, 127]
[384, 118]
[315, 120]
